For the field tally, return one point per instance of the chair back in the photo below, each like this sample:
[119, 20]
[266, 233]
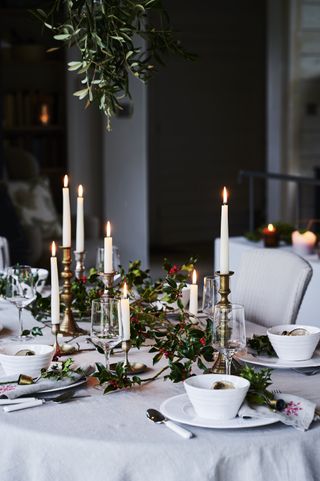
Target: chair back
[4, 254]
[271, 285]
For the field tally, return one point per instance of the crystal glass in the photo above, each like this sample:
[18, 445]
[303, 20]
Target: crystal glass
[20, 291]
[115, 258]
[210, 294]
[229, 331]
[106, 326]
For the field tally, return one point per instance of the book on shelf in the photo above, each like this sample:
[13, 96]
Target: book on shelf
[30, 109]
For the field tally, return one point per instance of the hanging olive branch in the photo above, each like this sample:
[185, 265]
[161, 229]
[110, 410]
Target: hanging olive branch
[115, 39]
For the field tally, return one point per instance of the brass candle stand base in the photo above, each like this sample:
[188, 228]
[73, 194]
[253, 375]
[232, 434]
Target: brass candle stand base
[80, 269]
[131, 368]
[68, 326]
[224, 291]
[57, 349]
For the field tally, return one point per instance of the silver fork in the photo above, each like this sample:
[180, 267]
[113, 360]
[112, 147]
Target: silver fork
[307, 371]
[62, 398]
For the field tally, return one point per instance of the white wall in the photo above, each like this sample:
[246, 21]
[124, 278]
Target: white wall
[84, 148]
[125, 199]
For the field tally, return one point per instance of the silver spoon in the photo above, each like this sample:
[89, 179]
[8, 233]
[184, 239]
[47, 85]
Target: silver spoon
[158, 418]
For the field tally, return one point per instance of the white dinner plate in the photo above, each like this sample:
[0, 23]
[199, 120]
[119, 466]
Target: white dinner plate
[64, 388]
[179, 409]
[275, 362]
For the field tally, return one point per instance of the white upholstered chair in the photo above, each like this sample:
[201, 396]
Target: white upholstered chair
[4, 254]
[271, 285]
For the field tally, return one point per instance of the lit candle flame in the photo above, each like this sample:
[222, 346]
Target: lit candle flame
[53, 249]
[271, 228]
[44, 114]
[108, 229]
[125, 290]
[194, 277]
[80, 191]
[65, 181]
[225, 195]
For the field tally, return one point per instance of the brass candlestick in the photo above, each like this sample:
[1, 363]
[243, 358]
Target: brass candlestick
[80, 269]
[131, 368]
[68, 326]
[224, 291]
[57, 349]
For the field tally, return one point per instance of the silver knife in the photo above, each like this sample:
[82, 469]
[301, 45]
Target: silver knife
[157, 417]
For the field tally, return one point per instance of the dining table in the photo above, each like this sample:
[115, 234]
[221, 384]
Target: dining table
[109, 437]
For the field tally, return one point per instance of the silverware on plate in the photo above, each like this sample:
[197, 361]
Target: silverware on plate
[158, 418]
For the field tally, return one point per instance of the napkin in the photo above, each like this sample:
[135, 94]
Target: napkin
[298, 412]
[14, 390]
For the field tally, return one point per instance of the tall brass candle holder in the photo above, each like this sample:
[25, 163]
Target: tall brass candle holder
[80, 269]
[131, 368]
[224, 291]
[68, 326]
[57, 350]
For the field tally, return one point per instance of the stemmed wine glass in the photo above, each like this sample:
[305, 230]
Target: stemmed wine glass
[229, 332]
[20, 291]
[106, 325]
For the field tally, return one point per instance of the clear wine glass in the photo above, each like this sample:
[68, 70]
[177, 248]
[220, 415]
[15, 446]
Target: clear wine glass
[20, 291]
[229, 331]
[106, 325]
[210, 294]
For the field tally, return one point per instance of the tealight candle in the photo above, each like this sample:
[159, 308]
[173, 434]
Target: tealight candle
[80, 221]
[108, 250]
[224, 235]
[125, 314]
[55, 296]
[270, 236]
[303, 243]
[193, 304]
[66, 216]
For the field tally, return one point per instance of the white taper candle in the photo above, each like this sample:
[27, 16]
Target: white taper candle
[224, 235]
[55, 296]
[80, 221]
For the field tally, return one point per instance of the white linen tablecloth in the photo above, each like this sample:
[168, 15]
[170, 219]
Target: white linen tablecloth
[109, 438]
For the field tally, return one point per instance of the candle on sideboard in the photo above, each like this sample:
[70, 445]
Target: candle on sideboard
[224, 235]
[66, 215]
[125, 314]
[55, 296]
[193, 304]
[108, 268]
[303, 243]
[80, 221]
[270, 236]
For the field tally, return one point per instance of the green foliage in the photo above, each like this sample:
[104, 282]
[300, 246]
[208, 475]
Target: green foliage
[61, 371]
[114, 40]
[261, 344]
[117, 380]
[259, 382]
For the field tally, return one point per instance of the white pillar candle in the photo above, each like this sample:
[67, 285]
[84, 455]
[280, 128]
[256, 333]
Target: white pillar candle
[80, 221]
[108, 250]
[125, 314]
[303, 244]
[224, 235]
[66, 216]
[193, 304]
[55, 296]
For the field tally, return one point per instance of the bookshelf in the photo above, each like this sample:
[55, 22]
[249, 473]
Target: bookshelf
[32, 90]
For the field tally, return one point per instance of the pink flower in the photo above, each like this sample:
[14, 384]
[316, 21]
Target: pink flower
[6, 388]
[292, 409]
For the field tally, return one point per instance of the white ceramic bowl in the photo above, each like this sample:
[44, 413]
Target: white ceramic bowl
[216, 403]
[29, 365]
[294, 348]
